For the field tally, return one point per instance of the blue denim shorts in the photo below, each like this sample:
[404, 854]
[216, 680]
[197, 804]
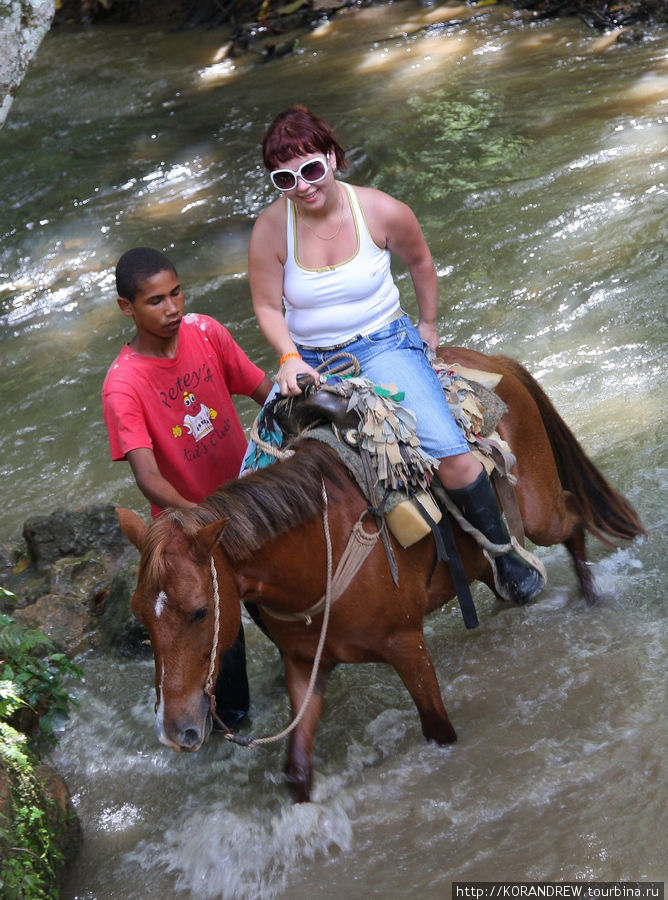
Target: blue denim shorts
[395, 354]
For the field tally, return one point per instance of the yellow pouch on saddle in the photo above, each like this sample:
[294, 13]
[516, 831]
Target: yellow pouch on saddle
[407, 523]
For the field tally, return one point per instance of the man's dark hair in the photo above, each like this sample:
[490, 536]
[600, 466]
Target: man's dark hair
[136, 266]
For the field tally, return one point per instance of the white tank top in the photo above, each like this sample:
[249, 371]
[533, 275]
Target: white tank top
[327, 306]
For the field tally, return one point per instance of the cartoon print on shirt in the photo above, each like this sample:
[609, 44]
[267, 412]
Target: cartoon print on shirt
[199, 424]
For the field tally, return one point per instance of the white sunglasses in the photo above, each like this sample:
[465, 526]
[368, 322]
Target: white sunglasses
[312, 171]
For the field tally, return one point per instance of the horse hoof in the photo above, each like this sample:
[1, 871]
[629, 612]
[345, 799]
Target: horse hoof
[299, 786]
[447, 736]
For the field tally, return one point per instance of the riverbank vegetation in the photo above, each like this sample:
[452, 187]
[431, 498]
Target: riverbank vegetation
[38, 827]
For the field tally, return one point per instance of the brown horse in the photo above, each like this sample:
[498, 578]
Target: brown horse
[262, 538]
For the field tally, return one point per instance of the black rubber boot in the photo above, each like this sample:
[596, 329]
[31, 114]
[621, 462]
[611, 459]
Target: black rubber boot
[232, 693]
[479, 506]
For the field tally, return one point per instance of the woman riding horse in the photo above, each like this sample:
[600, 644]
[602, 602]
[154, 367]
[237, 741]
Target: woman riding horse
[322, 251]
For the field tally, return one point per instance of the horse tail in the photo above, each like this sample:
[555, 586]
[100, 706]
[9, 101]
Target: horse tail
[602, 509]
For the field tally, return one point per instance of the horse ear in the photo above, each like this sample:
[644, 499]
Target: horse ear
[132, 526]
[208, 537]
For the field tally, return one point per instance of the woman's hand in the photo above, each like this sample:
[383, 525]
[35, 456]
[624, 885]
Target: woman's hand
[428, 334]
[288, 372]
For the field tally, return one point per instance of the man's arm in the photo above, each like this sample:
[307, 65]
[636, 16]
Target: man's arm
[151, 483]
[262, 390]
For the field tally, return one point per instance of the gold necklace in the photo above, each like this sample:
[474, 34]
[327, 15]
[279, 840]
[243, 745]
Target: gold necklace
[319, 236]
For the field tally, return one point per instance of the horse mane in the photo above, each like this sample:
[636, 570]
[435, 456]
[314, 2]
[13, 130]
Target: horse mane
[258, 507]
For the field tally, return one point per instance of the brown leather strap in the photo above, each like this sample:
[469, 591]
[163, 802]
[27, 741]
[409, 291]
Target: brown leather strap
[509, 505]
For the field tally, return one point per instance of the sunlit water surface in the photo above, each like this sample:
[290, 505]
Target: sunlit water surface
[535, 157]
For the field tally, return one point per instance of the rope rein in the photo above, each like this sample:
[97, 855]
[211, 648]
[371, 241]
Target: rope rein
[347, 364]
[208, 687]
[269, 449]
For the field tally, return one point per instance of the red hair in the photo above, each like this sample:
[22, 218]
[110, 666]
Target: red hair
[296, 132]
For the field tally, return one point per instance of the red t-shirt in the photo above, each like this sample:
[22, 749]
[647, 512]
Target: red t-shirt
[181, 408]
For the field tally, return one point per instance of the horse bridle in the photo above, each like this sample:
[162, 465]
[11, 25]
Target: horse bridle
[208, 686]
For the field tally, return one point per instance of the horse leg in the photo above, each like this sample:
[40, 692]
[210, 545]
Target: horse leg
[299, 767]
[576, 546]
[409, 656]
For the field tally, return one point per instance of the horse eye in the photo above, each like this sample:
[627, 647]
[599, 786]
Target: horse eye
[200, 614]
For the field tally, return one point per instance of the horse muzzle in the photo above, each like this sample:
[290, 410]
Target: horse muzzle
[184, 733]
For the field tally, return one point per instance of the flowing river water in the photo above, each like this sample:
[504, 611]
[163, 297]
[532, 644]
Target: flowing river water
[535, 157]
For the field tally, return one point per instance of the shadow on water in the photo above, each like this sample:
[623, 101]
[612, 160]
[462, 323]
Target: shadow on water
[534, 157]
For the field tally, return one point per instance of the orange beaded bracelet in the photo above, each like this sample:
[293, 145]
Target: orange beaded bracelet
[289, 356]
